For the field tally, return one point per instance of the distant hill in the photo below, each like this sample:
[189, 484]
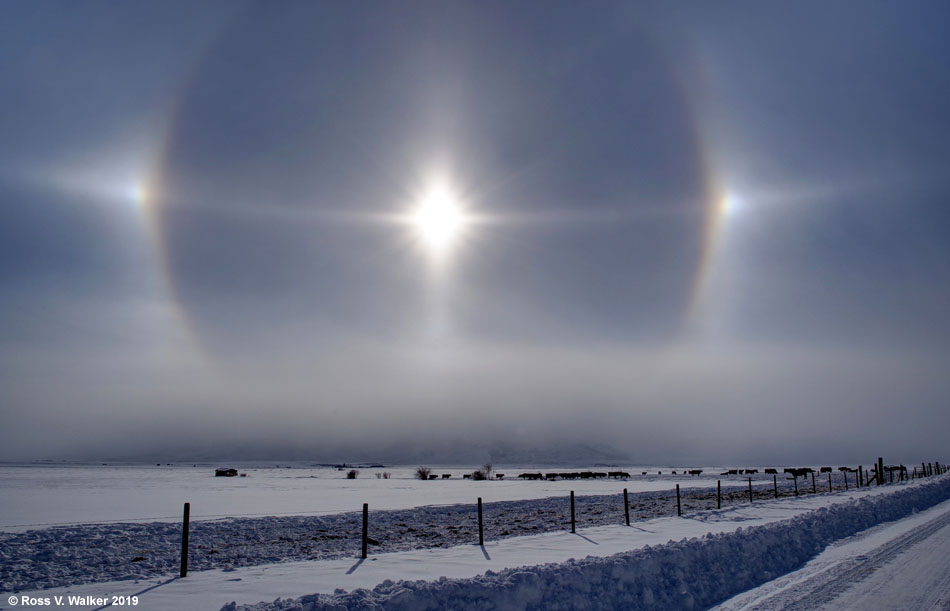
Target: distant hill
[442, 452]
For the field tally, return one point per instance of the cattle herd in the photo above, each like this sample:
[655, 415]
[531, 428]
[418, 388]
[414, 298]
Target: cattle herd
[796, 472]
[574, 475]
[793, 471]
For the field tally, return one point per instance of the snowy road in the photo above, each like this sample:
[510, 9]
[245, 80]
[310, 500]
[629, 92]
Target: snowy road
[901, 565]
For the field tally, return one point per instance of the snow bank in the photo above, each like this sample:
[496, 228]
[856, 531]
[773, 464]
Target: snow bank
[688, 574]
[71, 555]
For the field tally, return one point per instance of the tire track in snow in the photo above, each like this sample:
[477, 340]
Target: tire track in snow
[832, 580]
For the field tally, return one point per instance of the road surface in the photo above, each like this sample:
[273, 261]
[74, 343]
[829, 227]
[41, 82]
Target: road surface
[899, 565]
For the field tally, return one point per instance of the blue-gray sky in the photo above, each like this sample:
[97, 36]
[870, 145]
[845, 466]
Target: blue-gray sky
[696, 232]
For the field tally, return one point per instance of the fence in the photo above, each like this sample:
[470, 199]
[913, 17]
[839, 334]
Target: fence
[863, 478]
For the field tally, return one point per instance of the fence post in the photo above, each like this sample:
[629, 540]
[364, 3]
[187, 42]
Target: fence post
[184, 540]
[626, 507]
[750, 490]
[880, 470]
[718, 494]
[845, 474]
[365, 526]
[679, 509]
[923, 470]
[573, 529]
[481, 531]
[829, 482]
[775, 484]
[814, 488]
[860, 476]
[795, 479]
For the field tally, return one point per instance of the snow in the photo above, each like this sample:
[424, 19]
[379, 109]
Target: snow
[691, 562]
[44, 558]
[37, 496]
[896, 565]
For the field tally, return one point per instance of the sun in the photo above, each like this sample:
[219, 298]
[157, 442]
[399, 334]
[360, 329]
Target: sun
[439, 220]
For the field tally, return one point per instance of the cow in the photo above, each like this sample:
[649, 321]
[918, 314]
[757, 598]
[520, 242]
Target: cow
[696, 472]
[824, 470]
[799, 472]
[446, 475]
[771, 471]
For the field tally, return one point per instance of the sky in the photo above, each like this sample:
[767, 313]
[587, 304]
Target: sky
[670, 232]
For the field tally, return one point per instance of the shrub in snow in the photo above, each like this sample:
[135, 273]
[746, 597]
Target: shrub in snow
[352, 474]
[423, 473]
[483, 473]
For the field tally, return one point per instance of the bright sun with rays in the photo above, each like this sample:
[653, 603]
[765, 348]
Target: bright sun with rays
[439, 220]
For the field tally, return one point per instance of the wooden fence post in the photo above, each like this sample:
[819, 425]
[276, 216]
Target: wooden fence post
[365, 526]
[626, 507]
[829, 482]
[679, 509]
[880, 470]
[481, 531]
[795, 479]
[750, 490]
[718, 494]
[572, 513]
[184, 540]
[775, 484]
[814, 488]
[845, 474]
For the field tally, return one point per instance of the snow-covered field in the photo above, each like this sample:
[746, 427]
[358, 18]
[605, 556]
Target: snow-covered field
[38, 496]
[139, 548]
[667, 562]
